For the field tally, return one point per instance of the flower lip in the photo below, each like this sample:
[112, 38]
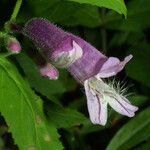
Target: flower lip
[99, 95]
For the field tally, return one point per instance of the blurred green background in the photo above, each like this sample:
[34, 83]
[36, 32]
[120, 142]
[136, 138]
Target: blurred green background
[64, 101]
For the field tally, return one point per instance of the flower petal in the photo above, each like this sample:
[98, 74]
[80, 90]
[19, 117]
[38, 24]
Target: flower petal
[96, 106]
[112, 66]
[128, 105]
[122, 107]
[65, 59]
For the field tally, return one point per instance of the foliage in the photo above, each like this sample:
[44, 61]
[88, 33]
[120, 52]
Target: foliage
[38, 113]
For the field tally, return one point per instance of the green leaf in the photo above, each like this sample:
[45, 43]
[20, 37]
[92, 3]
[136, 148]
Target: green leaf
[139, 68]
[92, 36]
[63, 12]
[134, 132]
[117, 5]
[65, 117]
[90, 128]
[49, 88]
[23, 112]
[87, 16]
[137, 18]
[138, 100]
[145, 146]
[125, 37]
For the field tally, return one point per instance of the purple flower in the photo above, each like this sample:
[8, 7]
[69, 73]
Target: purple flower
[86, 64]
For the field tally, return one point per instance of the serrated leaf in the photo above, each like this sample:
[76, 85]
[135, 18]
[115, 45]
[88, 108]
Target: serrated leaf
[23, 112]
[65, 117]
[117, 5]
[134, 132]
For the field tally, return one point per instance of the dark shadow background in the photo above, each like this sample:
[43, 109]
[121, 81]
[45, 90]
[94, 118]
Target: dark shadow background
[109, 32]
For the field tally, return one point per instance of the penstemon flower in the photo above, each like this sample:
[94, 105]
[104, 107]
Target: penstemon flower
[86, 64]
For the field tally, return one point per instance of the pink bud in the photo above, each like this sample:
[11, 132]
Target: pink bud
[13, 45]
[49, 71]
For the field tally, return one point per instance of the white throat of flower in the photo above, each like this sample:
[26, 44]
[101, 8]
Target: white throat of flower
[99, 95]
[65, 59]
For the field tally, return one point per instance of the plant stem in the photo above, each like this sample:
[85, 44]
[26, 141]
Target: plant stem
[5, 55]
[103, 32]
[16, 10]
[104, 39]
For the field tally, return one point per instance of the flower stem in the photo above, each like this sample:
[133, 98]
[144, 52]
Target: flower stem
[16, 10]
[5, 55]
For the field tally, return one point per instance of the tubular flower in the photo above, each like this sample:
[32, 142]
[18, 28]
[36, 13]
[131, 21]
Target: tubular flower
[86, 64]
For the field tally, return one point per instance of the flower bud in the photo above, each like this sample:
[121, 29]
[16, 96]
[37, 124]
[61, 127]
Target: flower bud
[49, 71]
[13, 45]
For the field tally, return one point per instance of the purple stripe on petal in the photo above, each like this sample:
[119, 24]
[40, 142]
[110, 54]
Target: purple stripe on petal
[96, 106]
[128, 105]
[103, 111]
[118, 106]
